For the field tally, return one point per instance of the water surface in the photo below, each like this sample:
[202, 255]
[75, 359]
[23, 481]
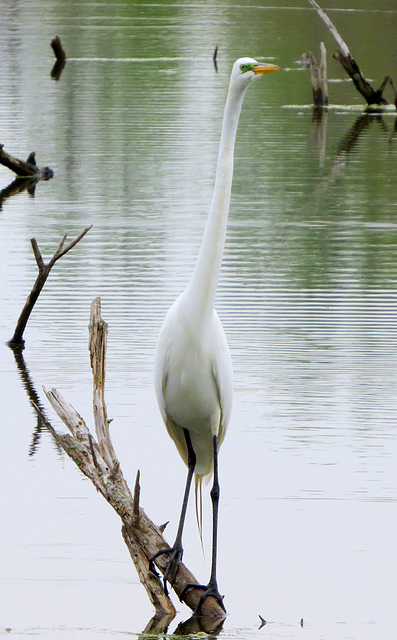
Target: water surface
[307, 297]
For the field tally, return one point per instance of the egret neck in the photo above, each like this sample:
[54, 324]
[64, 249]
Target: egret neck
[203, 285]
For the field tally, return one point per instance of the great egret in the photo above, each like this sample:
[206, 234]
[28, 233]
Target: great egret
[193, 368]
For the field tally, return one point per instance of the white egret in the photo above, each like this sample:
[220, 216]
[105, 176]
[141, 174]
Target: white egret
[193, 369]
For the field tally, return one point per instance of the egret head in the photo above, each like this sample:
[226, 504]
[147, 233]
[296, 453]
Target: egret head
[247, 69]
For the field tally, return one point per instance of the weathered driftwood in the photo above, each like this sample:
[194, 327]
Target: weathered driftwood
[318, 76]
[44, 270]
[98, 461]
[25, 168]
[97, 348]
[343, 55]
[323, 73]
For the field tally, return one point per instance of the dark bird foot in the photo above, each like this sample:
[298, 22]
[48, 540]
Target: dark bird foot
[175, 558]
[211, 589]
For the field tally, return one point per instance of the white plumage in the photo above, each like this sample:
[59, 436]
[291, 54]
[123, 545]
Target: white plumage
[193, 368]
[194, 381]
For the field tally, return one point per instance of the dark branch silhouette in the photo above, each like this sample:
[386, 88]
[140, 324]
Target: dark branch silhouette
[58, 49]
[214, 58]
[343, 55]
[44, 270]
[34, 400]
[25, 168]
[60, 55]
[17, 186]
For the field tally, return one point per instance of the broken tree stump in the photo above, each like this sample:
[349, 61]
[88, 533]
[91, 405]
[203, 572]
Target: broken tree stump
[318, 76]
[343, 55]
[25, 168]
[44, 271]
[98, 461]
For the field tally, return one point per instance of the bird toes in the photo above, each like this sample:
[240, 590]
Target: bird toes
[211, 589]
[175, 558]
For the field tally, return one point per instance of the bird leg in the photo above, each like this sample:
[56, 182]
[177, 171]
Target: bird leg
[176, 551]
[211, 589]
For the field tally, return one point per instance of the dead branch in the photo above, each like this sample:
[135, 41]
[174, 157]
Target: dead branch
[324, 72]
[351, 67]
[340, 42]
[362, 85]
[214, 58]
[318, 76]
[394, 91]
[25, 168]
[97, 347]
[58, 49]
[60, 55]
[44, 270]
[98, 461]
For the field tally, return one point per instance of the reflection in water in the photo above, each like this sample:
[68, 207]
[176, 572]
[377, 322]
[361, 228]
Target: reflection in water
[158, 625]
[34, 400]
[361, 124]
[318, 133]
[18, 186]
[347, 144]
[57, 69]
[199, 624]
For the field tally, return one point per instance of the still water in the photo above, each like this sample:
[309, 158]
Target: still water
[308, 299]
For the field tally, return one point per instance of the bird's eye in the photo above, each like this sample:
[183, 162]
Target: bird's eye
[243, 67]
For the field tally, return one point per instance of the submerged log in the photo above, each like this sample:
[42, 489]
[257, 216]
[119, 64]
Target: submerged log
[25, 168]
[98, 461]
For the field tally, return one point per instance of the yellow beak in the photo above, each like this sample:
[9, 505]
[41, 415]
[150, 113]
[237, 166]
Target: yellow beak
[264, 67]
